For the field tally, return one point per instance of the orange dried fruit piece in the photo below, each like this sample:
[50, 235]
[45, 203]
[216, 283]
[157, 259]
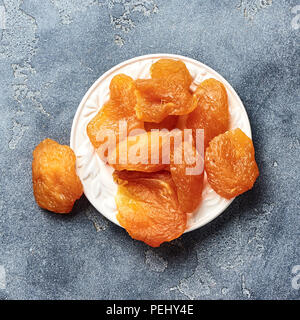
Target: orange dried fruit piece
[56, 185]
[165, 68]
[169, 123]
[152, 110]
[211, 112]
[148, 207]
[155, 151]
[230, 164]
[104, 129]
[143, 152]
[187, 175]
[166, 93]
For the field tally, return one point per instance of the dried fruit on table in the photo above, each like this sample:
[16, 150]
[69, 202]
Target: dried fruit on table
[104, 129]
[166, 93]
[230, 163]
[56, 185]
[211, 112]
[148, 207]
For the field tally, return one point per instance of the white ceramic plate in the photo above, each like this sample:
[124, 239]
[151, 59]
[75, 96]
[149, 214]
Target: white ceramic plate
[96, 177]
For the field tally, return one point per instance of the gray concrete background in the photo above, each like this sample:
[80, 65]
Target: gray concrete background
[51, 52]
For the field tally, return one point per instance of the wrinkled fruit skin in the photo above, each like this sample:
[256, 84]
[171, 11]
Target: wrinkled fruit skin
[189, 186]
[166, 93]
[148, 207]
[169, 123]
[211, 112]
[165, 68]
[230, 164]
[56, 185]
[134, 153]
[121, 106]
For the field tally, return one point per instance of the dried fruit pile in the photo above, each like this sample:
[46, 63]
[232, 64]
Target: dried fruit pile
[159, 172]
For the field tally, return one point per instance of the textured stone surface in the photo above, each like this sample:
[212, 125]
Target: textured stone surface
[51, 52]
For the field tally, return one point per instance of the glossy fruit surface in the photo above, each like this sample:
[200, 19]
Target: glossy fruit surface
[148, 207]
[166, 93]
[165, 68]
[104, 129]
[142, 152]
[211, 112]
[169, 123]
[156, 151]
[230, 163]
[56, 185]
[187, 175]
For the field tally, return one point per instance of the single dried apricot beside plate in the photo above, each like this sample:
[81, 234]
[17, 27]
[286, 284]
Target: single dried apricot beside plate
[56, 185]
[148, 207]
[230, 163]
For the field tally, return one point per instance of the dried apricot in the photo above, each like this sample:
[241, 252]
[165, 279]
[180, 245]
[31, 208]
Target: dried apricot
[148, 207]
[142, 152]
[187, 175]
[169, 123]
[166, 93]
[56, 185]
[155, 151]
[211, 112]
[104, 129]
[230, 163]
[165, 68]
